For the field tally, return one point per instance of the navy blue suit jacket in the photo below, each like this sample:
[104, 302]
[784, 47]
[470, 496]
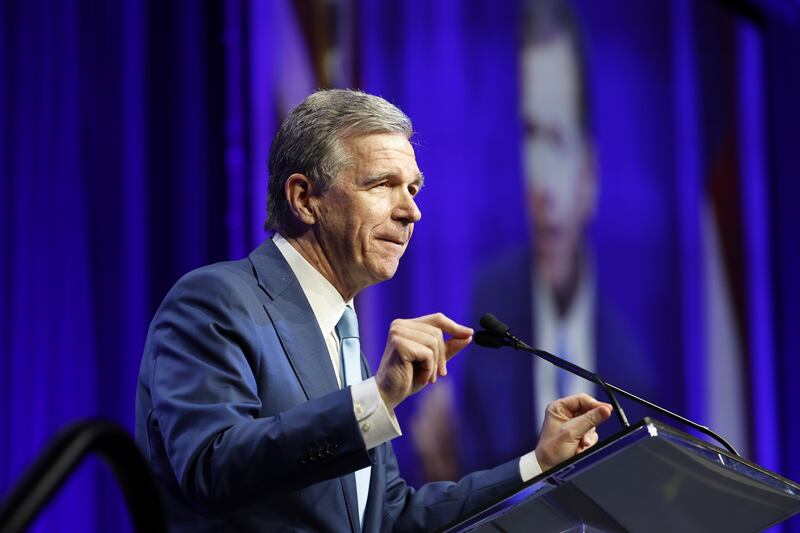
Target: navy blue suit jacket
[497, 390]
[239, 414]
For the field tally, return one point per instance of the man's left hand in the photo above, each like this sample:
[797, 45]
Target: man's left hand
[569, 428]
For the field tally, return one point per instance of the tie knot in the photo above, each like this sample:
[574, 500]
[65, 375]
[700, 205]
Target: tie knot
[348, 324]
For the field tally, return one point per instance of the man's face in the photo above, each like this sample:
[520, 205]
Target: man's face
[558, 163]
[367, 217]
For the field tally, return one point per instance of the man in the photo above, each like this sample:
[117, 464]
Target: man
[252, 406]
[545, 291]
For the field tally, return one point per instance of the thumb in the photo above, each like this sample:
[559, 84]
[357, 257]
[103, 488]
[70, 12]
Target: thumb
[583, 423]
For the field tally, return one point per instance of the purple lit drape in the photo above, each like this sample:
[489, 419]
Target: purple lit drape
[106, 180]
[49, 371]
[783, 109]
[133, 141]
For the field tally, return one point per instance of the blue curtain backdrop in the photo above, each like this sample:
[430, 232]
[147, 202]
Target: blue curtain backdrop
[110, 191]
[133, 140]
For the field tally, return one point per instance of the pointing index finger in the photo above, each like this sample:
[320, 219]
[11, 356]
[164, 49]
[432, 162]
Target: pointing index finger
[447, 325]
[455, 345]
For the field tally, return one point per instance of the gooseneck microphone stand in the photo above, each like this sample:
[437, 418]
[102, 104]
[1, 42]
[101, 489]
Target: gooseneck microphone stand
[497, 334]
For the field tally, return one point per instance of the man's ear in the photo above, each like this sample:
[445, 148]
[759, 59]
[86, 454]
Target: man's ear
[298, 190]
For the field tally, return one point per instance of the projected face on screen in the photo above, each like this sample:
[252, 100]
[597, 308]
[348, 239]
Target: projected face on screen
[558, 163]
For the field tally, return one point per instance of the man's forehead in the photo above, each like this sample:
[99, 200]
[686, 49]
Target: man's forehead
[376, 143]
[382, 153]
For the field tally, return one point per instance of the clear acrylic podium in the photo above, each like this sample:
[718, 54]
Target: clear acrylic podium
[650, 477]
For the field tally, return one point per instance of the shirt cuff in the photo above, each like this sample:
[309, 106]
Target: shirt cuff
[376, 423]
[529, 467]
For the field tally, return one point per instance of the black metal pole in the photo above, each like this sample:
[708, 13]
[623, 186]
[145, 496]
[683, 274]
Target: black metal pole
[63, 454]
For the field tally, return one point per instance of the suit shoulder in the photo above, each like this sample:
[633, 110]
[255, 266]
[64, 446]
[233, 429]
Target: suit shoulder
[218, 275]
[227, 284]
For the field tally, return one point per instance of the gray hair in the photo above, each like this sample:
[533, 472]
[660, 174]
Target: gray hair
[309, 141]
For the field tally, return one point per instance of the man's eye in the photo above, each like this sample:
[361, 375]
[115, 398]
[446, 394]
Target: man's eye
[413, 190]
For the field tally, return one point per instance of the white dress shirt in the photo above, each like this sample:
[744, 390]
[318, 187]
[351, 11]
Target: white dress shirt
[377, 424]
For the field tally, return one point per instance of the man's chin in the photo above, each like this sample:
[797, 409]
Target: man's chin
[386, 271]
[389, 273]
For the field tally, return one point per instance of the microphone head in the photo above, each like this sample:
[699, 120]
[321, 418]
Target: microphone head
[490, 323]
[488, 340]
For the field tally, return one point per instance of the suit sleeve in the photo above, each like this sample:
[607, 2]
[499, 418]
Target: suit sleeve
[439, 503]
[205, 352]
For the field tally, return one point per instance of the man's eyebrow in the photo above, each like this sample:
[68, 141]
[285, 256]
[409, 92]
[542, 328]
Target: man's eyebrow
[375, 178]
[369, 180]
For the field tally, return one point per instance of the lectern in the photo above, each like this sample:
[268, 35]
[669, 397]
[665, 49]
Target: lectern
[651, 478]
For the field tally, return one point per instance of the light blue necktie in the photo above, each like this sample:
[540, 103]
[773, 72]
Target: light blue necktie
[350, 350]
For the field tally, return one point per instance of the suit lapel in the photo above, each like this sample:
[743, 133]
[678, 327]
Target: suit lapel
[297, 327]
[304, 346]
[294, 321]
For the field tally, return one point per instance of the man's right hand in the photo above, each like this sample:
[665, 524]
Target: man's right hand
[416, 353]
[569, 428]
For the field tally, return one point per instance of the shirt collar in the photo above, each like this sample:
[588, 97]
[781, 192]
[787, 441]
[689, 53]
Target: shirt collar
[326, 302]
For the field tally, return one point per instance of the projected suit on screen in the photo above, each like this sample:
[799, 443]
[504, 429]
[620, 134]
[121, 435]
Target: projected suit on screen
[546, 291]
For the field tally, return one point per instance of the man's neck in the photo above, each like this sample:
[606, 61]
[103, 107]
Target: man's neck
[308, 246]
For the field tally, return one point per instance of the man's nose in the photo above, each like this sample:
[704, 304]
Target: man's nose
[407, 210]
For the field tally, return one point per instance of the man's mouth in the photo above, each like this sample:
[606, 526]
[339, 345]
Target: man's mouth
[392, 240]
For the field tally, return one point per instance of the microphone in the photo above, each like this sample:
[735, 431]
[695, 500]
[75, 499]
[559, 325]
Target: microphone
[489, 340]
[492, 324]
[498, 329]
[498, 334]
